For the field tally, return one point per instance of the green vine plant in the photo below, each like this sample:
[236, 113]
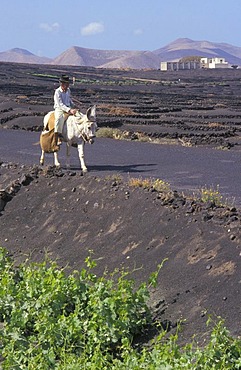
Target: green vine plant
[50, 318]
[53, 321]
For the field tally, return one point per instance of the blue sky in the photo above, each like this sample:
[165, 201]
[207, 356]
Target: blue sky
[49, 27]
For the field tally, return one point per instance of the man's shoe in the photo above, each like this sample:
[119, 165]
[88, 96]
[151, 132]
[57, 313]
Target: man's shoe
[56, 142]
[60, 139]
[75, 145]
[56, 148]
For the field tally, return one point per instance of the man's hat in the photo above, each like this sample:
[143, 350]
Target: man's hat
[64, 79]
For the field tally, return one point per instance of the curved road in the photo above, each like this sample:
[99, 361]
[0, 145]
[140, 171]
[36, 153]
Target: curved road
[183, 167]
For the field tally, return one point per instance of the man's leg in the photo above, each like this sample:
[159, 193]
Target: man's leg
[56, 145]
[58, 128]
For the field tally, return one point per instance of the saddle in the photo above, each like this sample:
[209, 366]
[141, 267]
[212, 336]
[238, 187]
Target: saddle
[47, 140]
[50, 124]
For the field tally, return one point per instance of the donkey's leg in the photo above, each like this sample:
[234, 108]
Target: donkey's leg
[68, 155]
[82, 157]
[56, 161]
[42, 158]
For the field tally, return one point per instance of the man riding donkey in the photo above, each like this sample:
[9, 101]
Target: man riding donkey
[62, 104]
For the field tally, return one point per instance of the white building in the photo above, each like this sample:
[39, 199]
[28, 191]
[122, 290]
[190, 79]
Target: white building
[176, 66]
[204, 63]
[213, 63]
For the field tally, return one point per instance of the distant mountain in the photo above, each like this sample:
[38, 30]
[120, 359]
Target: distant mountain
[78, 56]
[135, 60]
[22, 56]
[185, 47]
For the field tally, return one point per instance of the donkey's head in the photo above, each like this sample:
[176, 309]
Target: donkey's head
[88, 123]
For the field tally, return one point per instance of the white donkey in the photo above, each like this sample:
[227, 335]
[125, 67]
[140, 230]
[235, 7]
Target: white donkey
[78, 130]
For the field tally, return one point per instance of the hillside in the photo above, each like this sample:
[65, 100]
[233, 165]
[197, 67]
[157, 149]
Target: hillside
[18, 55]
[133, 59]
[78, 56]
[184, 47]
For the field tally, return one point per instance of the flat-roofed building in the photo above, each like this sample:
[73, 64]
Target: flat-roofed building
[213, 63]
[203, 63]
[176, 66]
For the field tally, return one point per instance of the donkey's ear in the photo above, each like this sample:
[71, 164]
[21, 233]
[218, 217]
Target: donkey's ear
[91, 112]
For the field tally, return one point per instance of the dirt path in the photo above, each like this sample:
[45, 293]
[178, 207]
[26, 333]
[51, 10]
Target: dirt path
[184, 168]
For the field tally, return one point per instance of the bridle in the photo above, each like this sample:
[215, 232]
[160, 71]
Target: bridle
[83, 134]
[84, 138]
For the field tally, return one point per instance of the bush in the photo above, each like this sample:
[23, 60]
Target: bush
[80, 321]
[49, 317]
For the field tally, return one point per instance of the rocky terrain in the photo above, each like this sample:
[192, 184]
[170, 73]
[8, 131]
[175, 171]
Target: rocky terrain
[66, 214]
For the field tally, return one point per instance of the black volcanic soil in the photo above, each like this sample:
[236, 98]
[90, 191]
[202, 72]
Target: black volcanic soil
[68, 214]
[199, 107]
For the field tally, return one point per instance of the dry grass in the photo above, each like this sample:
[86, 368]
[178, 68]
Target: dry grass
[149, 183]
[211, 195]
[111, 133]
[117, 178]
[114, 133]
[116, 110]
[215, 124]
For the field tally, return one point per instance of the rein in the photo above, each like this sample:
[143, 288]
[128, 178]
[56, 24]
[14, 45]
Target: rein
[83, 136]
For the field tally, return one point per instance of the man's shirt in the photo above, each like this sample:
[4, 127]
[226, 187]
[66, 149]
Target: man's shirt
[62, 100]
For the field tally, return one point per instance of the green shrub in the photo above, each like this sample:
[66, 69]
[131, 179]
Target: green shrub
[81, 321]
[49, 317]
